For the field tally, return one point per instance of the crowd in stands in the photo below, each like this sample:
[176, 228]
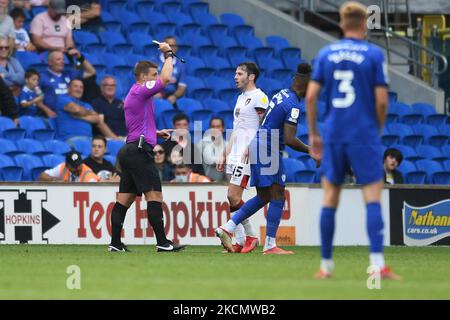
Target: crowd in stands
[46, 72]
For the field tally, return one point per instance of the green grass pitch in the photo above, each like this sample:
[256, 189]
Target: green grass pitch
[203, 272]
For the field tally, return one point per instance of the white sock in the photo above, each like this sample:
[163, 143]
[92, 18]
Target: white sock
[248, 228]
[377, 259]
[230, 226]
[270, 243]
[327, 265]
[239, 234]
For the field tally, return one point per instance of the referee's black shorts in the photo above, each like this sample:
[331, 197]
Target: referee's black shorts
[139, 173]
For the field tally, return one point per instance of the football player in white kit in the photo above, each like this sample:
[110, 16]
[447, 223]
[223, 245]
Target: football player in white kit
[248, 112]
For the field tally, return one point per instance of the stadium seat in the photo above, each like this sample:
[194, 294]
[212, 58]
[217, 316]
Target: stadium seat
[217, 62]
[32, 124]
[416, 177]
[27, 58]
[412, 119]
[123, 49]
[207, 51]
[195, 7]
[201, 94]
[269, 65]
[436, 120]
[141, 6]
[35, 10]
[161, 30]
[8, 147]
[96, 49]
[228, 95]
[28, 163]
[14, 134]
[11, 173]
[161, 105]
[140, 27]
[31, 146]
[52, 160]
[263, 52]
[231, 19]
[285, 76]
[224, 42]
[428, 152]
[236, 54]
[153, 17]
[291, 57]
[291, 167]
[217, 84]
[113, 147]
[110, 158]
[113, 60]
[424, 109]
[446, 165]
[83, 38]
[268, 84]
[442, 178]
[194, 64]
[277, 42]
[408, 152]
[397, 110]
[430, 167]
[193, 83]
[170, 8]
[227, 73]
[215, 105]
[204, 19]
[106, 16]
[6, 161]
[203, 116]
[242, 31]
[188, 105]
[189, 30]
[165, 119]
[392, 96]
[83, 147]
[116, 7]
[181, 19]
[446, 151]
[406, 166]
[110, 39]
[57, 146]
[113, 26]
[250, 42]
[204, 73]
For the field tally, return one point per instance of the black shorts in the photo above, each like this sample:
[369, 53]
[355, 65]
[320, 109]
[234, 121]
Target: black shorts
[139, 173]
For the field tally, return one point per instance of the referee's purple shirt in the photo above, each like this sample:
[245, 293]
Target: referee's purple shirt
[139, 113]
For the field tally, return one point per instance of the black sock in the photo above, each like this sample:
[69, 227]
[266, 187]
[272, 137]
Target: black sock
[156, 220]
[117, 218]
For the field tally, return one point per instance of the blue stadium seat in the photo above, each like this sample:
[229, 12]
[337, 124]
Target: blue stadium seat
[430, 167]
[446, 165]
[153, 17]
[217, 62]
[263, 52]
[201, 94]
[112, 60]
[57, 146]
[204, 73]
[431, 135]
[236, 54]
[228, 95]
[204, 19]
[190, 30]
[195, 7]
[224, 42]
[27, 58]
[446, 151]
[424, 109]
[231, 19]
[397, 110]
[111, 38]
[285, 76]
[11, 173]
[196, 40]
[408, 152]
[217, 84]
[140, 27]
[442, 178]
[436, 120]
[188, 105]
[227, 117]
[194, 64]
[116, 7]
[106, 16]
[406, 166]
[428, 152]
[28, 163]
[207, 51]
[161, 105]
[128, 18]
[83, 147]
[227, 73]
[113, 147]
[31, 146]
[242, 31]
[52, 160]
[277, 42]
[110, 158]
[170, 8]
[194, 83]
[416, 177]
[123, 49]
[392, 96]
[35, 10]
[161, 30]
[181, 19]
[83, 38]
[291, 57]
[141, 5]
[6, 161]
[412, 119]
[250, 42]
[97, 49]
[215, 105]
[268, 84]
[113, 26]
[268, 65]
[8, 147]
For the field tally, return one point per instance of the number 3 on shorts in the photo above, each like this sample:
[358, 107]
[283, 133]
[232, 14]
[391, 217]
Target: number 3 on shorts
[345, 87]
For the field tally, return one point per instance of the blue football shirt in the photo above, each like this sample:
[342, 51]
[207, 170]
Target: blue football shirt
[349, 70]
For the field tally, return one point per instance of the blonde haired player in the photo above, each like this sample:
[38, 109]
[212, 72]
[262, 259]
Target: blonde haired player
[248, 112]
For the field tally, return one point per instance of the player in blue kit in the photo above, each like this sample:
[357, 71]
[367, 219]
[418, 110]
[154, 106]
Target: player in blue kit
[278, 128]
[354, 76]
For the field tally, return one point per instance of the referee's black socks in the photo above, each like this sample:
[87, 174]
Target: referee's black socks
[155, 218]
[117, 218]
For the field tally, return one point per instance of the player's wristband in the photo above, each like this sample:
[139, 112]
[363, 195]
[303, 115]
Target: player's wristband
[81, 59]
[168, 54]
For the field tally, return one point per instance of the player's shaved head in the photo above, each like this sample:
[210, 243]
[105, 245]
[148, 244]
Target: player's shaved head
[301, 79]
[353, 16]
[143, 68]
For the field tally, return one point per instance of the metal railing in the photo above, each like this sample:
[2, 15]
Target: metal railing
[438, 65]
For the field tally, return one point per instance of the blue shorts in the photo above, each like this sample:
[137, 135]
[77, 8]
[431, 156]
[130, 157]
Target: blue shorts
[265, 175]
[365, 161]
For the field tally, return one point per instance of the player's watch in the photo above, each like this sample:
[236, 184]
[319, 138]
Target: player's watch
[168, 54]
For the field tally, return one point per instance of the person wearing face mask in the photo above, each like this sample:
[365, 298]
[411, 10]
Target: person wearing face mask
[184, 174]
[165, 169]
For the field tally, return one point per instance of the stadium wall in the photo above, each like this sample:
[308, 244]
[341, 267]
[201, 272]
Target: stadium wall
[269, 21]
[80, 214]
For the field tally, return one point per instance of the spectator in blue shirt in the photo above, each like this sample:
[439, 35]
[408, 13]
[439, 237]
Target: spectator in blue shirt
[31, 97]
[56, 78]
[177, 86]
[75, 117]
[111, 107]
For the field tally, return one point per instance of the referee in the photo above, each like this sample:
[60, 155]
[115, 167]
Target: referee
[136, 158]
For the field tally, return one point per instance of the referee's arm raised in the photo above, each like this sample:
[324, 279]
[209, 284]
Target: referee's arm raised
[167, 69]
